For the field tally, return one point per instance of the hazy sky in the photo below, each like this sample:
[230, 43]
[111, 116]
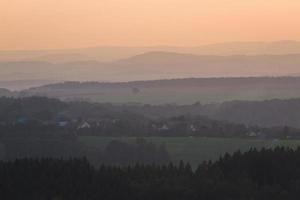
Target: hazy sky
[43, 24]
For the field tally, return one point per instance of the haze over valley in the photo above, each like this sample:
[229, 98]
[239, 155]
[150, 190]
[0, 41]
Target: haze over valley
[149, 100]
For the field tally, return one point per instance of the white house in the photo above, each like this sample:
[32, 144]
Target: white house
[84, 125]
[165, 127]
[252, 134]
[62, 123]
[193, 128]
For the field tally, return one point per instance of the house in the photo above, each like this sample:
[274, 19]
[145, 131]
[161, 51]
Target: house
[193, 128]
[22, 120]
[114, 121]
[62, 123]
[164, 127]
[84, 125]
[252, 134]
[60, 120]
[154, 126]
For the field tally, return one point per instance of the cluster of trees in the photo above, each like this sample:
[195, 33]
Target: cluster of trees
[268, 113]
[261, 175]
[41, 116]
[124, 154]
[264, 113]
[33, 108]
[39, 148]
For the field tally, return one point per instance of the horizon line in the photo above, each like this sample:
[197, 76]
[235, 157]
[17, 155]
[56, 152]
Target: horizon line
[148, 46]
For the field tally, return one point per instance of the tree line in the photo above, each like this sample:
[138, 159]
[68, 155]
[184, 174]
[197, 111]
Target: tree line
[267, 174]
[44, 117]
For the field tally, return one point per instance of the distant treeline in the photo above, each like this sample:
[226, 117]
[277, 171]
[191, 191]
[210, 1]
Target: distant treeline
[234, 82]
[44, 117]
[260, 175]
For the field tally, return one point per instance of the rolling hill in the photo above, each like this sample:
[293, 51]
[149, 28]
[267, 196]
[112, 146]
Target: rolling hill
[108, 54]
[179, 91]
[154, 65]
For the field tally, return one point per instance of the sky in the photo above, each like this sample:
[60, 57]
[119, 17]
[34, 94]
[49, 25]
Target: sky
[56, 24]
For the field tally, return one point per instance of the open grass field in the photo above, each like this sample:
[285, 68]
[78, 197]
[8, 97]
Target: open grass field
[195, 150]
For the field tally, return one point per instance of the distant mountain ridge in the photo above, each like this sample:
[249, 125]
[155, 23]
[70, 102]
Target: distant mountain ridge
[211, 81]
[154, 65]
[178, 91]
[108, 54]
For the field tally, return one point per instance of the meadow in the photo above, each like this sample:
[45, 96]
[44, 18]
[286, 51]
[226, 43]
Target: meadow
[193, 149]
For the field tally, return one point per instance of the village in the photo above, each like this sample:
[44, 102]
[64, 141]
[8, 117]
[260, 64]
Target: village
[182, 126]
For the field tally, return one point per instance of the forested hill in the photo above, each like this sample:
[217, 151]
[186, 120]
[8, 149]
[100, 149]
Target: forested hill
[36, 115]
[153, 65]
[179, 91]
[266, 113]
[263, 113]
[40, 116]
[212, 82]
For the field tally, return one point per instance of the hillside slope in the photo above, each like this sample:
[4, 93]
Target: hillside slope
[179, 91]
[154, 65]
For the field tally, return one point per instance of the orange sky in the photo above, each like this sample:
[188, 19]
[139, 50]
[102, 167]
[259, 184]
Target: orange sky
[44, 24]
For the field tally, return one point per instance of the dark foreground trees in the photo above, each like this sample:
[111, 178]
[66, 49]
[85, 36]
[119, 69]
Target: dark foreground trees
[125, 154]
[265, 174]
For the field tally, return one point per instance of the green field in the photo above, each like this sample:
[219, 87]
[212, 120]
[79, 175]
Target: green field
[195, 150]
